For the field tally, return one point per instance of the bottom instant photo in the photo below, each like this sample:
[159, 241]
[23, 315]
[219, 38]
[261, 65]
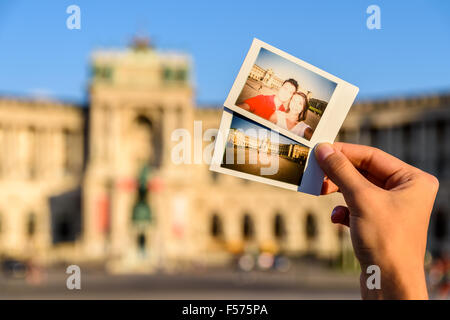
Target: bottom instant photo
[249, 150]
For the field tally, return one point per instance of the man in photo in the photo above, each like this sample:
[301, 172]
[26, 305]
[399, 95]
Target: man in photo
[265, 105]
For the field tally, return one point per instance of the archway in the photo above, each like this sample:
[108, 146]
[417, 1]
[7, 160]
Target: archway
[146, 137]
[311, 232]
[248, 229]
[279, 227]
[216, 227]
[310, 227]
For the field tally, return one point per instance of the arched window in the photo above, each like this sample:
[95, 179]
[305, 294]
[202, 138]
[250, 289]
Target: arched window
[279, 227]
[248, 230]
[310, 227]
[216, 226]
[144, 121]
[148, 140]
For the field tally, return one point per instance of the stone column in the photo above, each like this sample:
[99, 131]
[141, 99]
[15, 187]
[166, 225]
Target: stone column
[390, 143]
[432, 149]
[59, 152]
[21, 150]
[264, 227]
[422, 148]
[15, 235]
[93, 237]
[233, 230]
[121, 206]
[10, 155]
[97, 134]
[115, 141]
[398, 142]
[46, 155]
[419, 146]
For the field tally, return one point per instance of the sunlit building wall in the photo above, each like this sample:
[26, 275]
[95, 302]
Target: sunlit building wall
[139, 210]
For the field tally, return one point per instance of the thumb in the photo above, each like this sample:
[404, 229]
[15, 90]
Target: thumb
[339, 169]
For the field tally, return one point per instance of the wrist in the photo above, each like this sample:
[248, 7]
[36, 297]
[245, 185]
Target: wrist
[397, 281]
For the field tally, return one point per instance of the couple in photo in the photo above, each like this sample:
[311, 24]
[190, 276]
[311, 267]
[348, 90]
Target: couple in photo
[287, 108]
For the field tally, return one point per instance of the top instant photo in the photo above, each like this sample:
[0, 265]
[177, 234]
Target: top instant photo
[290, 96]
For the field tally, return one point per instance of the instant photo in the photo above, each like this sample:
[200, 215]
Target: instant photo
[249, 150]
[289, 95]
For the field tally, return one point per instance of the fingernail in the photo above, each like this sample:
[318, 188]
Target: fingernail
[323, 151]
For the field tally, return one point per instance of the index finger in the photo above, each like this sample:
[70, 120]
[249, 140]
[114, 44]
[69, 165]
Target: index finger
[377, 163]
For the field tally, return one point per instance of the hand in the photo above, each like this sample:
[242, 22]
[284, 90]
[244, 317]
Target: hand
[388, 209]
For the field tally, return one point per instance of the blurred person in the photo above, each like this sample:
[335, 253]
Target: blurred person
[389, 204]
[34, 274]
[294, 119]
[265, 105]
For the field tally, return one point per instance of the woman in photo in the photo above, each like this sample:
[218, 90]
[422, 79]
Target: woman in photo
[294, 119]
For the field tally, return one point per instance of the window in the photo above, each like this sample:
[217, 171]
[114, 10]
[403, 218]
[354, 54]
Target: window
[107, 73]
[279, 227]
[181, 75]
[167, 74]
[374, 137]
[310, 227]
[216, 226]
[31, 225]
[247, 227]
[103, 72]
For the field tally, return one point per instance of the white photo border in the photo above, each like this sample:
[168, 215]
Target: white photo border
[334, 115]
[310, 183]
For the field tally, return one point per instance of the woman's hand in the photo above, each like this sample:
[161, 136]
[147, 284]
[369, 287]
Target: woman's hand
[388, 209]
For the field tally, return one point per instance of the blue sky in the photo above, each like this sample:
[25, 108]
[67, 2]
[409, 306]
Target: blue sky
[320, 87]
[408, 56]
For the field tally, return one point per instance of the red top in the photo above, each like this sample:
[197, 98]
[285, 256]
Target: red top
[263, 106]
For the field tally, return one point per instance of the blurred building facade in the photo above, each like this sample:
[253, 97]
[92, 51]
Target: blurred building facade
[41, 161]
[100, 184]
[292, 151]
[267, 77]
[416, 130]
